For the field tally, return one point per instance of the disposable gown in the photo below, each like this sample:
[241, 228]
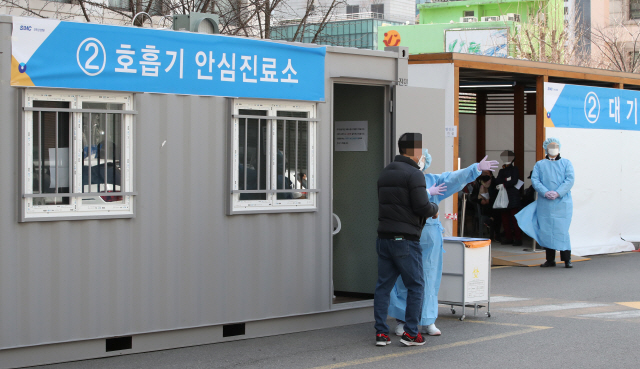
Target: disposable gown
[432, 249]
[547, 221]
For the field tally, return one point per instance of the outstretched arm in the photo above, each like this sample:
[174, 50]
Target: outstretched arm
[455, 181]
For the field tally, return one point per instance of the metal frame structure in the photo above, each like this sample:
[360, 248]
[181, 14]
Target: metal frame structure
[484, 71]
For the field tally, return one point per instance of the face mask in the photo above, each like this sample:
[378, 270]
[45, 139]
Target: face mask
[422, 162]
[553, 152]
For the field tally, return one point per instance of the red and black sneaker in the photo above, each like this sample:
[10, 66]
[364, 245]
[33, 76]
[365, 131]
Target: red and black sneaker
[382, 339]
[407, 340]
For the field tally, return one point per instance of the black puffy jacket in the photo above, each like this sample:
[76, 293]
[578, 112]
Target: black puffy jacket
[403, 203]
[509, 177]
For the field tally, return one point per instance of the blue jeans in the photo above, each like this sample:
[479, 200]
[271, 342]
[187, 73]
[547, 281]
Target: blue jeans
[399, 258]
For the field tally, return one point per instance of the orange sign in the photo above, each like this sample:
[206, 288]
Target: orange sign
[392, 38]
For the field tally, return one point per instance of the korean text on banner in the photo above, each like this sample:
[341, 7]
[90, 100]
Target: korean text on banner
[51, 53]
[571, 106]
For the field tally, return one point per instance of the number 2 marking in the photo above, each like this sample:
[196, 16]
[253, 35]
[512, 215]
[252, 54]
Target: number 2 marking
[88, 65]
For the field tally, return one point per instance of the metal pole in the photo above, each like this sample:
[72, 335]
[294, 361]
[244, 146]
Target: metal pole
[55, 201]
[296, 166]
[40, 159]
[464, 213]
[246, 134]
[258, 162]
[89, 145]
[106, 152]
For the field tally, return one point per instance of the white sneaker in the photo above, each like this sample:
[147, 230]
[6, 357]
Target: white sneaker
[400, 329]
[430, 330]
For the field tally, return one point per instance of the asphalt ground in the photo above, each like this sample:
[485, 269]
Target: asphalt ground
[585, 317]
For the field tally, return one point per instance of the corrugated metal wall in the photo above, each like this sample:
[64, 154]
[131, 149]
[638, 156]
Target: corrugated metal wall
[181, 262]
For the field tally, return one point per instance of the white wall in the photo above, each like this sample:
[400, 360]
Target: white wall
[606, 207]
[499, 137]
[439, 76]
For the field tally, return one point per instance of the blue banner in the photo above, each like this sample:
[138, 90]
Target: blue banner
[572, 106]
[51, 53]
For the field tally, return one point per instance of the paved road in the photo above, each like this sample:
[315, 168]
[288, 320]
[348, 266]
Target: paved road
[585, 317]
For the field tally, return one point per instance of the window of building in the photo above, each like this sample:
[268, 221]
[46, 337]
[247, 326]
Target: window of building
[634, 9]
[469, 13]
[273, 157]
[353, 9]
[157, 7]
[78, 155]
[377, 9]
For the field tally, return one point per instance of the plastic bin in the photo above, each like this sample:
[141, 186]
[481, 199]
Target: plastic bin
[466, 274]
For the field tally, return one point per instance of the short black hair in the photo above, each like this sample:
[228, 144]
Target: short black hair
[408, 141]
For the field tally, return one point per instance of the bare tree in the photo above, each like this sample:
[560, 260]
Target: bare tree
[547, 37]
[251, 18]
[617, 46]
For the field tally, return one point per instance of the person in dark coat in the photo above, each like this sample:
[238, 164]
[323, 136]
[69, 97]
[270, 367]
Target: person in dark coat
[484, 194]
[508, 177]
[403, 208]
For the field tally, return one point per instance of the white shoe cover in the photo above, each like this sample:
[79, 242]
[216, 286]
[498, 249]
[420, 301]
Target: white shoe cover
[430, 330]
[399, 329]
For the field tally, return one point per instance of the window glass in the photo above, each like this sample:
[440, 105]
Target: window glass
[102, 150]
[634, 9]
[377, 8]
[273, 156]
[293, 157]
[77, 144]
[252, 163]
[51, 152]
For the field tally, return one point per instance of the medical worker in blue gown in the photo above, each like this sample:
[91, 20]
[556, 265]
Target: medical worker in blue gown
[547, 220]
[440, 186]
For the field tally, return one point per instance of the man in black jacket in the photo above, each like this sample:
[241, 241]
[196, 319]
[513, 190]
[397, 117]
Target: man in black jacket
[402, 211]
[509, 177]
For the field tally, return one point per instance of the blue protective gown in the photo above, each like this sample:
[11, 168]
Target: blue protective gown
[547, 221]
[432, 249]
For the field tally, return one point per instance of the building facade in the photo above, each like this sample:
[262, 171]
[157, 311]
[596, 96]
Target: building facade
[473, 26]
[361, 32]
[351, 24]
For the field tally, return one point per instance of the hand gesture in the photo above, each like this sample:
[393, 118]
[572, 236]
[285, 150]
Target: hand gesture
[439, 190]
[485, 164]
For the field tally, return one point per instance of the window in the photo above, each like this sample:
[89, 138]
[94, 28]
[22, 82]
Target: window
[273, 157]
[469, 13]
[353, 9]
[634, 9]
[377, 8]
[156, 7]
[78, 155]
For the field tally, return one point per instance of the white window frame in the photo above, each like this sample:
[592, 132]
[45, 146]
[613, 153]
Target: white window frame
[80, 206]
[272, 204]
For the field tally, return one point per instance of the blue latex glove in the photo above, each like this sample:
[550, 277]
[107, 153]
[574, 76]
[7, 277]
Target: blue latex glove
[485, 164]
[437, 190]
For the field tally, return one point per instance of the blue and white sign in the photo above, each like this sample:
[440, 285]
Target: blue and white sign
[572, 106]
[51, 53]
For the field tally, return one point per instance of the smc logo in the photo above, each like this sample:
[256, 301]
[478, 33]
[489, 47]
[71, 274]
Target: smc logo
[25, 28]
